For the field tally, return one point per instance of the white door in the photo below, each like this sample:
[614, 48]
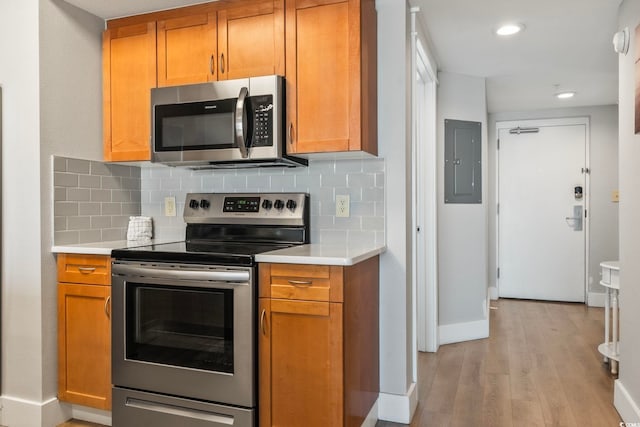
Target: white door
[541, 212]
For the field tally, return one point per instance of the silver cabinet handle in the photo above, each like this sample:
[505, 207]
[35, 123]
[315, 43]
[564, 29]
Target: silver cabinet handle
[301, 282]
[222, 63]
[211, 65]
[86, 270]
[240, 124]
[106, 306]
[264, 312]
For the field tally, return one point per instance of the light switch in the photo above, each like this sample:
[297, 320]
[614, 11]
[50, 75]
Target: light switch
[170, 206]
[615, 196]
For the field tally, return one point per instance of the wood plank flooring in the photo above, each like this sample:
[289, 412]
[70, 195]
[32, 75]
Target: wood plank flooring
[540, 367]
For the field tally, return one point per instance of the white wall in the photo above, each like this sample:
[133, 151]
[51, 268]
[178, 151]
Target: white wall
[627, 388]
[603, 179]
[394, 136]
[50, 74]
[462, 228]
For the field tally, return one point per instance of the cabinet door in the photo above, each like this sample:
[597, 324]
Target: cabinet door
[251, 40]
[187, 50]
[129, 73]
[323, 69]
[301, 367]
[84, 345]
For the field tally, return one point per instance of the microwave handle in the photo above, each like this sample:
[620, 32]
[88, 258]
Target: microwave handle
[241, 123]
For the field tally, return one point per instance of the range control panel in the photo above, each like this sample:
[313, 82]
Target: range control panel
[252, 208]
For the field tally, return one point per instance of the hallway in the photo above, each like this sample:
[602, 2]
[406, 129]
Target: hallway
[540, 367]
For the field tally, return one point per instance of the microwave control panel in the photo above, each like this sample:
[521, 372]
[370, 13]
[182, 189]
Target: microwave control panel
[262, 108]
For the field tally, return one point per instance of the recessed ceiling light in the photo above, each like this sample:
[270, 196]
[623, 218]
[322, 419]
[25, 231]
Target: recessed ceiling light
[565, 95]
[509, 29]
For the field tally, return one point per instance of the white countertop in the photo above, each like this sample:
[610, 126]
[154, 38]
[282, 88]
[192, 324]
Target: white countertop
[314, 253]
[105, 248]
[321, 253]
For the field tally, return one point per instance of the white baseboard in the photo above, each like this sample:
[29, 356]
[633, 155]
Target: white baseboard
[626, 407]
[493, 292]
[372, 416]
[398, 408]
[92, 415]
[17, 412]
[596, 299]
[458, 332]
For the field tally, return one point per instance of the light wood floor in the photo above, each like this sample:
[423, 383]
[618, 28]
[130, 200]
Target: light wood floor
[540, 367]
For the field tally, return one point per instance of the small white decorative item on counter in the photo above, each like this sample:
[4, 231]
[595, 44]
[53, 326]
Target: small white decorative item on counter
[140, 228]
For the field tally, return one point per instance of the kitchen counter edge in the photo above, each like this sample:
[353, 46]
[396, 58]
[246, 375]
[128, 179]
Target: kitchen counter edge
[321, 254]
[104, 248]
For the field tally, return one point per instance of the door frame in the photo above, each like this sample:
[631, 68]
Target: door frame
[565, 121]
[425, 219]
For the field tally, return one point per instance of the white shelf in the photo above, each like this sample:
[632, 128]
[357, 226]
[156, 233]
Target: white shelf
[608, 350]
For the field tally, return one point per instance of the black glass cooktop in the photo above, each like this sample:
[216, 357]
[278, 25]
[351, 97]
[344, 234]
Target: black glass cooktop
[209, 252]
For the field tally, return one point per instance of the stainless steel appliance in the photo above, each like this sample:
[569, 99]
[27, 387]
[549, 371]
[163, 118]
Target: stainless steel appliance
[184, 322]
[225, 124]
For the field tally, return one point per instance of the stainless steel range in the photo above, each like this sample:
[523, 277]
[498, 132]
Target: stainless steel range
[184, 341]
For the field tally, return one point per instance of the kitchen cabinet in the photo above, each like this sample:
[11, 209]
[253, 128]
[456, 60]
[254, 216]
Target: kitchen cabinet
[212, 41]
[331, 76]
[129, 73]
[318, 343]
[244, 40]
[84, 330]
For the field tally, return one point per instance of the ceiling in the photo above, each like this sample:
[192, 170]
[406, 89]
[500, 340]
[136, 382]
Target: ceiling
[565, 43]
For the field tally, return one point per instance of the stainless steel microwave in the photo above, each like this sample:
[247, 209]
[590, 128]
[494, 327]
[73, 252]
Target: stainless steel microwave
[225, 124]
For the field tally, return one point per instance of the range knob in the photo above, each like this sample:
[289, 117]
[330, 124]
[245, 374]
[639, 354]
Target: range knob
[279, 204]
[204, 204]
[291, 204]
[193, 204]
[267, 204]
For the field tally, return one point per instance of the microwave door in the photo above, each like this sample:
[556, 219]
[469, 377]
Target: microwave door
[241, 123]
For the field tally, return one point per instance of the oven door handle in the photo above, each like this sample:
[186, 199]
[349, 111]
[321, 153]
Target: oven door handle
[179, 274]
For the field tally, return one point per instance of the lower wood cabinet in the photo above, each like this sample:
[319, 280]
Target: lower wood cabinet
[84, 330]
[318, 344]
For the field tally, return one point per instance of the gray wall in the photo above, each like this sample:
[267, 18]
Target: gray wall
[603, 154]
[462, 228]
[52, 98]
[627, 390]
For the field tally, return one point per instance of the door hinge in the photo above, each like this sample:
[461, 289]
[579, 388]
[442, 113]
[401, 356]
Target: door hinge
[498, 143]
[498, 275]
[585, 170]
[498, 209]
[585, 213]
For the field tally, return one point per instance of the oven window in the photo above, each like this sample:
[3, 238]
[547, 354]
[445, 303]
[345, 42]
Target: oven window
[179, 326]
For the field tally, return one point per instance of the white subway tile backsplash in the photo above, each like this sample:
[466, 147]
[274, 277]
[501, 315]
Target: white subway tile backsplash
[362, 180]
[90, 198]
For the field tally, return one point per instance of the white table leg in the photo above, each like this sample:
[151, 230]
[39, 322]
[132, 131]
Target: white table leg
[614, 364]
[607, 302]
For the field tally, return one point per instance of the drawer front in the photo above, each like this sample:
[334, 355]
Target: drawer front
[89, 269]
[305, 282]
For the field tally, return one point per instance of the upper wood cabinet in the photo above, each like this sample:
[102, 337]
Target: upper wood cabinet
[331, 76]
[235, 42]
[129, 73]
[187, 50]
[251, 40]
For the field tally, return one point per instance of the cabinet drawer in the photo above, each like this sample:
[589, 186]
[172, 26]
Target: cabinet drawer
[89, 269]
[302, 282]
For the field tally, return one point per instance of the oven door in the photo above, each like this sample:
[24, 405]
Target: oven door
[185, 330]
